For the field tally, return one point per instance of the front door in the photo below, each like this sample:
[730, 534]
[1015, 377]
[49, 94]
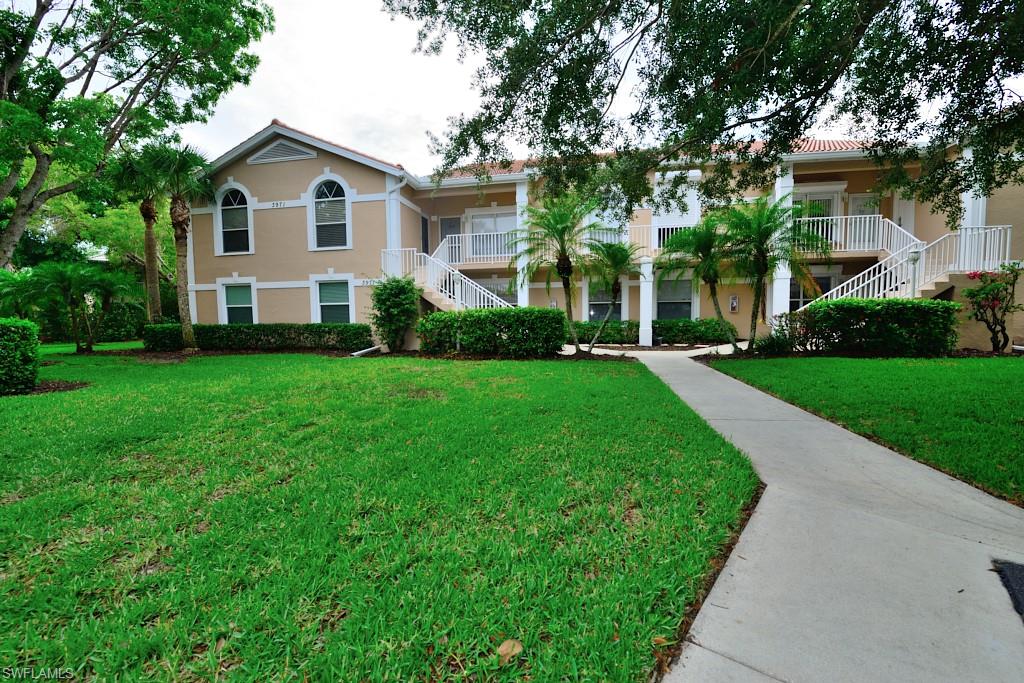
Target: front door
[451, 226]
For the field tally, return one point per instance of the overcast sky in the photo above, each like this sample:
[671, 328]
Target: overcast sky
[345, 71]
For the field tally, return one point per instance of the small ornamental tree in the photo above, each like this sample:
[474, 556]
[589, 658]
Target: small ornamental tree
[994, 299]
[395, 309]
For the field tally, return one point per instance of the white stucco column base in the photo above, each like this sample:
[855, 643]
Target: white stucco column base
[778, 292]
[523, 286]
[646, 301]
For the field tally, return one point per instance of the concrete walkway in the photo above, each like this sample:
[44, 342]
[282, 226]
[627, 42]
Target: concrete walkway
[858, 564]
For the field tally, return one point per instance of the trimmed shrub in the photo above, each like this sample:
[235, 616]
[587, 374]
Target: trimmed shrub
[494, 332]
[19, 355]
[683, 331]
[262, 337]
[617, 332]
[868, 327]
[396, 305]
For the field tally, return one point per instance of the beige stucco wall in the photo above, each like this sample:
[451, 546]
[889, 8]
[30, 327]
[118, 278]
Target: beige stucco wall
[974, 335]
[1006, 207]
[206, 307]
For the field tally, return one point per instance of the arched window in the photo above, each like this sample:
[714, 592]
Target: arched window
[234, 221]
[330, 215]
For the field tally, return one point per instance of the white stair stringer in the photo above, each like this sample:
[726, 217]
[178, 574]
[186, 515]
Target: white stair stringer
[445, 287]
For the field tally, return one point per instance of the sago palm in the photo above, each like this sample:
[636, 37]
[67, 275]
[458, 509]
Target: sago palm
[605, 267]
[185, 176]
[137, 174]
[706, 248]
[554, 240]
[764, 237]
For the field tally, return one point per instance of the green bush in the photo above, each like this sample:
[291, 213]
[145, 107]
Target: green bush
[617, 332]
[19, 355]
[868, 327]
[683, 331]
[396, 305]
[262, 337]
[124, 321]
[494, 332]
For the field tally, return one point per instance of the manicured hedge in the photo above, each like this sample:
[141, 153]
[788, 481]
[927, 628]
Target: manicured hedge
[494, 332]
[19, 355]
[262, 337]
[867, 327]
[683, 331]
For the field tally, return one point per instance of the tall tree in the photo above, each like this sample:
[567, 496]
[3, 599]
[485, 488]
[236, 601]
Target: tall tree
[184, 176]
[701, 82]
[138, 176]
[605, 266]
[706, 248]
[554, 242]
[763, 237]
[79, 76]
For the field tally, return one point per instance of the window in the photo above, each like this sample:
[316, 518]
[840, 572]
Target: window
[483, 242]
[238, 299]
[675, 299]
[330, 215]
[600, 301]
[234, 221]
[800, 296]
[334, 303]
[499, 287]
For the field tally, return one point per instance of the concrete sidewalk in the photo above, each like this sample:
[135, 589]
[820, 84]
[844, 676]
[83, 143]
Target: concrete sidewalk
[858, 564]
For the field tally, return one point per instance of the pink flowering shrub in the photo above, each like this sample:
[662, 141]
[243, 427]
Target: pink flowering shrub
[994, 299]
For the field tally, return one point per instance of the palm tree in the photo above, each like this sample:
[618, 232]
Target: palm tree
[138, 175]
[554, 240]
[764, 236]
[185, 176]
[605, 267]
[706, 248]
[16, 294]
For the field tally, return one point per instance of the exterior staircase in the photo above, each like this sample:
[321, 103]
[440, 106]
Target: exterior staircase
[915, 270]
[443, 286]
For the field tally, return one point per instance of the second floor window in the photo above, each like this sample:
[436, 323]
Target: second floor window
[330, 215]
[234, 216]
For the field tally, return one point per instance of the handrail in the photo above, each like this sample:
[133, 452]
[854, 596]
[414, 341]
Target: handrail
[859, 233]
[434, 273]
[883, 279]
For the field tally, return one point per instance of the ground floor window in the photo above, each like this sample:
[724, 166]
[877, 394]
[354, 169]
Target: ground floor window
[334, 301]
[800, 296]
[238, 301]
[600, 302]
[675, 299]
[500, 288]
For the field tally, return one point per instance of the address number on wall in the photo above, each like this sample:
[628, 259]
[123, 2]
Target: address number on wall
[278, 205]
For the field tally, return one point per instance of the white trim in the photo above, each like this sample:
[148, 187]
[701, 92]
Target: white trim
[201, 211]
[222, 307]
[408, 202]
[836, 187]
[307, 154]
[202, 288]
[522, 201]
[687, 275]
[624, 299]
[392, 213]
[280, 204]
[218, 236]
[308, 198]
[284, 284]
[375, 197]
[314, 293]
[585, 300]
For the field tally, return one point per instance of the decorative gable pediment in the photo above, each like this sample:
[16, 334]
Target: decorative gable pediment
[281, 150]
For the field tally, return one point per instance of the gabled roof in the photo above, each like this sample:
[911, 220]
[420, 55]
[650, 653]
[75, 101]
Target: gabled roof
[277, 127]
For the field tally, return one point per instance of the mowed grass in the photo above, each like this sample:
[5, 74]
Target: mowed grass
[293, 517]
[964, 416]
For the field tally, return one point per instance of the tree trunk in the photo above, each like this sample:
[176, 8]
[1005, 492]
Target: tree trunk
[10, 236]
[153, 311]
[567, 289]
[713, 290]
[604, 324]
[755, 311]
[188, 335]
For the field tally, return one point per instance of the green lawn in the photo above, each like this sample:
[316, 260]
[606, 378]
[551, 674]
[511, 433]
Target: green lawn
[296, 516]
[964, 416]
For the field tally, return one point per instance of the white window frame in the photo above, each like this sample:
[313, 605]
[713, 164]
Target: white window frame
[218, 223]
[222, 298]
[694, 305]
[467, 217]
[309, 199]
[314, 293]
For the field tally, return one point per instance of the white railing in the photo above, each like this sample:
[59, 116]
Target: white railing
[481, 247]
[859, 233]
[440, 277]
[651, 238]
[887, 278]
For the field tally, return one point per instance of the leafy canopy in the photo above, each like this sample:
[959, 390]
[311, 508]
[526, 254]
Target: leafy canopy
[699, 82]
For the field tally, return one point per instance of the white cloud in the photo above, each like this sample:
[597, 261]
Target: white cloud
[345, 71]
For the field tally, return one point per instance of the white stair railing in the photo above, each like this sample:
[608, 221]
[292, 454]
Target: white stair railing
[887, 278]
[859, 233]
[436, 275]
[479, 247]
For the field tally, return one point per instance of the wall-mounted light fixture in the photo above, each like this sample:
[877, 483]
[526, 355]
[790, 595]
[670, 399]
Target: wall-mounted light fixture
[734, 303]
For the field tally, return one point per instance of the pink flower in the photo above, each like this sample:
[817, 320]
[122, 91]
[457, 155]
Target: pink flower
[973, 275]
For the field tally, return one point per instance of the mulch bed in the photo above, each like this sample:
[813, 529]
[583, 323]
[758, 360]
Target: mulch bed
[180, 356]
[48, 386]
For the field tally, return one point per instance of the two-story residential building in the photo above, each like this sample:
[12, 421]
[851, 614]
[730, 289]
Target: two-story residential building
[301, 228]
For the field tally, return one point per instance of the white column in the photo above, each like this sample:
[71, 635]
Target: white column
[393, 213]
[778, 289]
[522, 199]
[975, 206]
[624, 304]
[646, 301]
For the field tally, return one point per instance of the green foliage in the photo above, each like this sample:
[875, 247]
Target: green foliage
[615, 332]
[961, 415]
[867, 327]
[122, 322]
[706, 81]
[19, 355]
[994, 299]
[396, 305]
[303, 512]
[262, 337]
[529, 332]
[606, 265]
[682, 331]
